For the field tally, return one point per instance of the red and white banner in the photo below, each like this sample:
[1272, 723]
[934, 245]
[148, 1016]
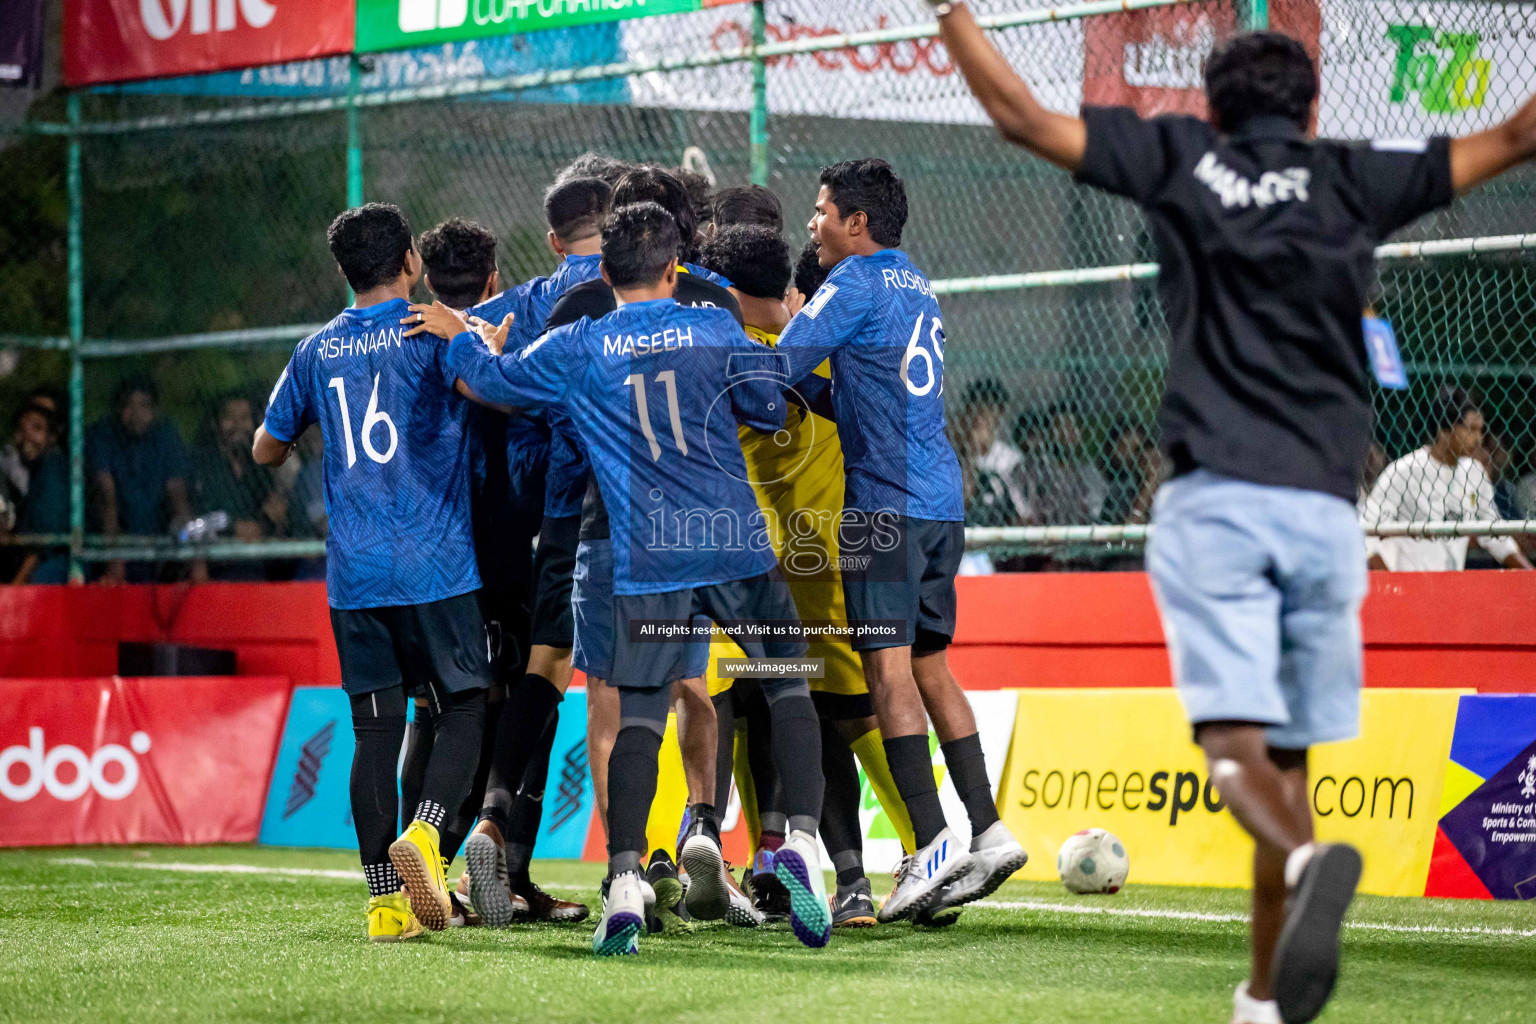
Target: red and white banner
[174, 760]
[116, 40]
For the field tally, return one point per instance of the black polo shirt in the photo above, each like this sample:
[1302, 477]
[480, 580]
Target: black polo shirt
[1265, 240]
[594, 300]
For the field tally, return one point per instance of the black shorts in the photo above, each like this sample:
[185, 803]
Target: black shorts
[898, 570]
[649, 666]
[442, 643]
[553, 564]
[508, 620]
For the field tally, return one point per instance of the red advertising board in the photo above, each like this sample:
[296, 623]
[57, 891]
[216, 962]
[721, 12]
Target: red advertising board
[117, 40]
[175, 760]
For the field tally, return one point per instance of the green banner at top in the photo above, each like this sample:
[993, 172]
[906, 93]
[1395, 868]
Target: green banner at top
[392, 24]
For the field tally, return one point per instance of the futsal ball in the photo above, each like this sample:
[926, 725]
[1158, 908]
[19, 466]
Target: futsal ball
[1093, 861]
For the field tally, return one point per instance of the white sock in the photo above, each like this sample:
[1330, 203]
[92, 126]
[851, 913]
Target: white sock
[1248, 1010]
[1297, 862]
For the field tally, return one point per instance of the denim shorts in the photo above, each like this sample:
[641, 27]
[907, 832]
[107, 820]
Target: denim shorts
[1259, 589]
[592, 613]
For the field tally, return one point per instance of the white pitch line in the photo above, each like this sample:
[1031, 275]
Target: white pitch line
[1195, 915]
[235, 869]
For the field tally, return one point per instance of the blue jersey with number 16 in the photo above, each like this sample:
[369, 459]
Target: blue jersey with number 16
[396, 458]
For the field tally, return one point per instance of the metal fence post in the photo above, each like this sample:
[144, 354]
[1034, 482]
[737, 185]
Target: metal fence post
[354, 135]
[759, 122]
[76, 335]
[1258, 14]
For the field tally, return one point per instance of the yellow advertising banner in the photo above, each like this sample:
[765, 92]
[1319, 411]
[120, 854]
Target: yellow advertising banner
[1123, 760]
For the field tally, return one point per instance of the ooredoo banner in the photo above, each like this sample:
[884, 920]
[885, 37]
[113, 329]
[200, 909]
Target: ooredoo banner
[119, 40]
[1124, 760]
[176, 760]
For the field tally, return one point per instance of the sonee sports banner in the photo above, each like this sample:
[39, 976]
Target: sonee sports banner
[177, 760]
[391, 24]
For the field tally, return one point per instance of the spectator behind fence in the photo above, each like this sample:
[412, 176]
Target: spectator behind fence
[139, 470]
[43, 501]
[228, 480]
[1444, 480]
[1136, 471]
[991, 468]
[1067, 488]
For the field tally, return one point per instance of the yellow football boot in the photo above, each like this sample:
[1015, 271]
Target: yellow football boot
[390, 919]
[416, 858]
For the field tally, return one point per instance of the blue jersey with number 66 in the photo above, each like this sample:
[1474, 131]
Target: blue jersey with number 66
[876, 318]
[396, 458]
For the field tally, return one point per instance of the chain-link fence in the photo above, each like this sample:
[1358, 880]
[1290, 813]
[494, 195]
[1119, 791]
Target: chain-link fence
[164, 247]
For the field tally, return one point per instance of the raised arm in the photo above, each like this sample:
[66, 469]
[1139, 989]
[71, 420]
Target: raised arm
[1485, 155]
[1059, 138]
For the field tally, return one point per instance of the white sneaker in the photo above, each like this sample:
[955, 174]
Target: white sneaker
[741, 913]
[923, 874]
[798, 866]
[623, 917]
[1248, 1010]
[995, 856]
[708, 893]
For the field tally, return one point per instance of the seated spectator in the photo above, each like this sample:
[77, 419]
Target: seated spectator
[138, 468]
[991, 468]
[44, 503]
[1067, 488]
[13, 470]
[1442, 481]
[229, 481]
[1136, 471]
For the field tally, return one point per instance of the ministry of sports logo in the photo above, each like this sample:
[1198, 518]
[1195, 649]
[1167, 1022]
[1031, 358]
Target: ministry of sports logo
[306, 776]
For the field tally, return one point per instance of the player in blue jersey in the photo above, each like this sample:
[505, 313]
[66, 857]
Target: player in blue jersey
[655, 390]
[400, 561]
[902, 531]
[460, 261]
[546, 477]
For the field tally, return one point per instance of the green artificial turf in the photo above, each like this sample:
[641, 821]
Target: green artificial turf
[99, 934]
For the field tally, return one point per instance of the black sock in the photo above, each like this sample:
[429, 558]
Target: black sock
[797, 757]
[840, 806]
[418, 748]
[531, 707]
[912, 768]
[725, 749]
[378, 724]
[760, 758]
[850, 871]
[631, 789]
[968, 770]
[528, 807]
[460, 719]
[461, 822]
[708, 817]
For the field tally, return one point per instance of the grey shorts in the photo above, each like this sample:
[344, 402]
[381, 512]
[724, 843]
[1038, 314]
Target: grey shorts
[639, 665]
[1259, 589]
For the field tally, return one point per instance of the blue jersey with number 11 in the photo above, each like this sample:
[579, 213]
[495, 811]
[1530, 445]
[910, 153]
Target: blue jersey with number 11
[396, 458]
[876, 318]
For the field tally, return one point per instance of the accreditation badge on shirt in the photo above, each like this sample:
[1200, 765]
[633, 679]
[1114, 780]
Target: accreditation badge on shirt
[1386, 360]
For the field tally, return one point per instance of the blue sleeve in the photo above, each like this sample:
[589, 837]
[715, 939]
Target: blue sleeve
[534, 378]
[288, 410]
[757, 396]
[833, 315]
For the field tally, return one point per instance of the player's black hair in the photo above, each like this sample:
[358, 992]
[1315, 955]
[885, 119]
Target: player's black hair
[639, 244]
[809, 273]
[871, 187]
[595, 165]
[129, 386]
[370, 243]
[575, 208]
[1260, 74]
[1449, 407]
[657, 185]
[747, 204]
[754, 258]
[700, 193]
[460, 257]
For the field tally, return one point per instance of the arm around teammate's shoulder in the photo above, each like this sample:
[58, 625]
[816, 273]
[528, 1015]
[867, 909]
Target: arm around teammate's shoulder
[1485, 155]
[1007, 99]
